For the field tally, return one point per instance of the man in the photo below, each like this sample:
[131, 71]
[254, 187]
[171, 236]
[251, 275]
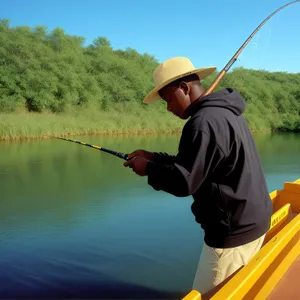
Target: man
[217, 163]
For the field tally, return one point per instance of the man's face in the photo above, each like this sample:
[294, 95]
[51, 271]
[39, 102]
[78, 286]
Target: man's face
[177, 99]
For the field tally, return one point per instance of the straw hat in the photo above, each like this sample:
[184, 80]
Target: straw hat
[173, 69]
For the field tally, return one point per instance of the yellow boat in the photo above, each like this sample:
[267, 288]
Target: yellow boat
[273, 273]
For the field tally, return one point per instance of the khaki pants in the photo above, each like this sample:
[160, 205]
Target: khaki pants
[215, 265]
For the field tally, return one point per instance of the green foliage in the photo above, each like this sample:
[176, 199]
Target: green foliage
[53, 72]
[273, 98]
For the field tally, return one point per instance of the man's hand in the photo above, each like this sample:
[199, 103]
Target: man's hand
[142, 153]
[138, 165]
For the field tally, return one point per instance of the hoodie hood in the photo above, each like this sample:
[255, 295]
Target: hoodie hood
[227, 98]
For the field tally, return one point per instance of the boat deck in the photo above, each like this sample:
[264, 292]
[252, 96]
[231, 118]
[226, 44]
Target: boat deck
[288, 287]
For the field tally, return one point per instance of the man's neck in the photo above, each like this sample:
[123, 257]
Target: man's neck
[188, 112]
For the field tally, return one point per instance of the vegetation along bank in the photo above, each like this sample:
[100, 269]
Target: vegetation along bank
[53, 85]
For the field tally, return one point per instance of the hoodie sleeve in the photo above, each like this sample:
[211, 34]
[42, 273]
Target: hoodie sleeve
[197, 157]
[163, 158]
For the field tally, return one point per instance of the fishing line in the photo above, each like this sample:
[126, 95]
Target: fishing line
[227, 67]
[235, 56]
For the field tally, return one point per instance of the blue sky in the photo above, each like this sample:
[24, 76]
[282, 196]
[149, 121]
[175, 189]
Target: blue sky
[207, 32]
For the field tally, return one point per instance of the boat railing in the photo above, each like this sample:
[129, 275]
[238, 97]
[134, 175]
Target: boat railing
[280, 249]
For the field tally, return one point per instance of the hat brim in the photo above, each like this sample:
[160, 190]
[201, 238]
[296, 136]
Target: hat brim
[201, 72]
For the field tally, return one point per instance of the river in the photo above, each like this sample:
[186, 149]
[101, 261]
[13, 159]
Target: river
[75, 223]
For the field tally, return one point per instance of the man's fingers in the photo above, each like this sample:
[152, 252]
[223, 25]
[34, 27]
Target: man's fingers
[132, 154]
[126, 164]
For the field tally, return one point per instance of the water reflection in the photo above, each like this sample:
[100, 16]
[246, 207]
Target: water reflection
[73, 219]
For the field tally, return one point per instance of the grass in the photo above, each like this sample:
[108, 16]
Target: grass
[126, 118]
[89, 121]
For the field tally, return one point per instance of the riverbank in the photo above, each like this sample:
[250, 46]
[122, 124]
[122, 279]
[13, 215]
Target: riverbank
[118, 121]
[95, 89]
[25, 125]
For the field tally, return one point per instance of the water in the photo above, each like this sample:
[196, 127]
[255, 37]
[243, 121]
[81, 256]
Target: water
[74, 223]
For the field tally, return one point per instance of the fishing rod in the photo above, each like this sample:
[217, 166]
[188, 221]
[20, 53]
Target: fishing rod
[212, 87]
[235, 56]
[115, 153]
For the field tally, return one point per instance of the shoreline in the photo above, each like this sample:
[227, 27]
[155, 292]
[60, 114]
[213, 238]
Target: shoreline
[100, 91]
[100, 133]
[24, 126]
[117, 133]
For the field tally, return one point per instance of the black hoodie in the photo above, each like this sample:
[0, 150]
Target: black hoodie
[218, 164]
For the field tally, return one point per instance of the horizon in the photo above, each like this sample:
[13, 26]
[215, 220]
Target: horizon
[267, 51]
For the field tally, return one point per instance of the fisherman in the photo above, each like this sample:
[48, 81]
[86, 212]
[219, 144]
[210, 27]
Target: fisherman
[217, 163]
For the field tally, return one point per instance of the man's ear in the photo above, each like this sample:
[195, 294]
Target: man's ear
[185, 87]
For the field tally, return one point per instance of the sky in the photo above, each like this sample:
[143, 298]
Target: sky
[207, 32]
